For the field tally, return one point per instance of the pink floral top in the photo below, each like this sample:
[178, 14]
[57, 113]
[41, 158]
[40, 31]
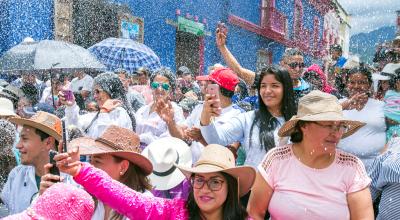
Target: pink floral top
[126, 201]
[301, 192]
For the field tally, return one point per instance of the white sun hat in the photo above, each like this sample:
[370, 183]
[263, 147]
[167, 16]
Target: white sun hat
[163, 154]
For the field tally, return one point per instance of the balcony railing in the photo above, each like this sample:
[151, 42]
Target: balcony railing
[304, 38]
[277, 21]
[274, 20]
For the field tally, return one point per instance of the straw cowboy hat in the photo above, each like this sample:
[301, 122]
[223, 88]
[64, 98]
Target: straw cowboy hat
[216, 158]
[319, 106]
[46, 122]
[163, 154]
[6, 107]
[117, 141]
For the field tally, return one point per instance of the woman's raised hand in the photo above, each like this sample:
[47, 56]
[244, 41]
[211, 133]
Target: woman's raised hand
[68, 162]
[165, 110]
[66, 97]
[211, 108]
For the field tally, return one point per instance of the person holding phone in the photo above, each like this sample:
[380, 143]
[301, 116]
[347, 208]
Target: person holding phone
[216, 186]
[220, 88]
[40, 134]
[117, 152]
[368, 142]
[257, 129]
[114, 108]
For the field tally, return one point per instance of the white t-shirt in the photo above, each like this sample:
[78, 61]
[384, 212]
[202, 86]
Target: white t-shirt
[238, 128]
[193, 120]
[369, 140]
[86, 84]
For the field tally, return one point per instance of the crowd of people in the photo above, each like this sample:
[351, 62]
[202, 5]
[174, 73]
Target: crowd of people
[285, 142]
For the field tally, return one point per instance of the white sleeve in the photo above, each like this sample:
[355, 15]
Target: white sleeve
[178, 115]
[226, 133]
[118, 117]
[194, 117]
[147, 137]
[5, 192]
[45, 94]
[72, 115]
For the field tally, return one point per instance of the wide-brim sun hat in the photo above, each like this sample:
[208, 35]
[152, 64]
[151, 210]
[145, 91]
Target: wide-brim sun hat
[164, 153]
[390, 69]
[380, 77]
[6, 107]
[46, 122]
[11, 92]
[217, 158]
[319, 106]
[117, 141]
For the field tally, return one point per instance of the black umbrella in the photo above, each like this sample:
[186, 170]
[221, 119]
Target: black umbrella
[47, 55]
[43, 55]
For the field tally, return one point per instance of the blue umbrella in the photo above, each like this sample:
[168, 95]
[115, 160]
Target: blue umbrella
[128, 54]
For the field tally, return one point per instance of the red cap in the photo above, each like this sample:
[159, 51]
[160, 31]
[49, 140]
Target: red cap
[225, 78]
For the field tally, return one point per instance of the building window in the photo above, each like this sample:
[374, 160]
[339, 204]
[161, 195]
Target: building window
[298, 19]
[316, 33]
[265, 12]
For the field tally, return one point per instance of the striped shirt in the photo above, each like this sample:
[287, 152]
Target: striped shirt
[385, 175]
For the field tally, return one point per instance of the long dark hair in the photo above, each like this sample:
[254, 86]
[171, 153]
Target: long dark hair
[112, 85]
[232, 208]
[263, 118]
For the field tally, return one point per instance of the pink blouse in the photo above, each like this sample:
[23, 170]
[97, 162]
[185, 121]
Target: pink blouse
[125, 200]
[301, 192]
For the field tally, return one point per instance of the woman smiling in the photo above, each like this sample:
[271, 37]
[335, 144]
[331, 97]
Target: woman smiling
[216, 187]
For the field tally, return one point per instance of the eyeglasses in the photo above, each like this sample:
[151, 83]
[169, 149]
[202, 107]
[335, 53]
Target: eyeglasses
[214, 184]
[155, 85]
[294, 65]
[341, 128]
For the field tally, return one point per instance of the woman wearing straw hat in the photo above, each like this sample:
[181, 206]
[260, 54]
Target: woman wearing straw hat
[311, 178]
[216, 187]
[117, 152]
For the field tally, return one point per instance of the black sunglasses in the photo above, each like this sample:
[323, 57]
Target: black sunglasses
[295, 64]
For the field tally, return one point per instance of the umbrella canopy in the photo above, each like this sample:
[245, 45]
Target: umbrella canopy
[125, 53]
[47, 54]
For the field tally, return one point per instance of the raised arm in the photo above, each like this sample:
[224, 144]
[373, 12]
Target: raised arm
[125, 200]
[247, 75]
[119, 197]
